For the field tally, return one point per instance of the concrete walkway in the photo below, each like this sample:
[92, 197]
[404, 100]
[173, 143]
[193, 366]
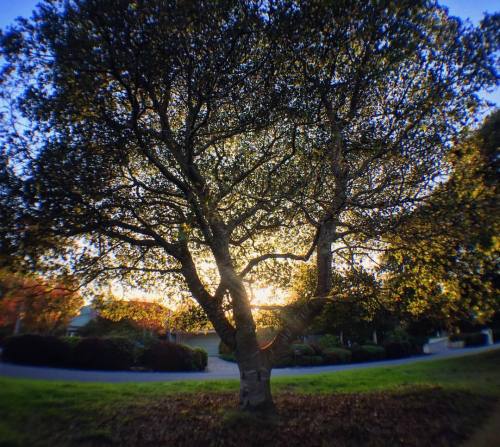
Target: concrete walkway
[217, 369]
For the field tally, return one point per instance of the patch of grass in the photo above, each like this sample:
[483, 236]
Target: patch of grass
[41, 413]
[478, 374]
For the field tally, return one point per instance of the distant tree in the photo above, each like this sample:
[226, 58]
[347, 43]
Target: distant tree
[151, 316]
[189, 317]
[32, 304]
[160, 137]
[357, 304]
[443, 263]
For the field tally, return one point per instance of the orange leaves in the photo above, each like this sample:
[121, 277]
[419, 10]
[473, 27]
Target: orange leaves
[41, 305]
[147, 315]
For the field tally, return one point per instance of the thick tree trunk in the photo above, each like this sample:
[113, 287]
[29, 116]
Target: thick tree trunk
[255, 370]
[255, 386]
[324, 259]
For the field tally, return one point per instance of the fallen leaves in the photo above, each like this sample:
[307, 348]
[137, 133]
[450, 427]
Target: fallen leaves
[411, 417]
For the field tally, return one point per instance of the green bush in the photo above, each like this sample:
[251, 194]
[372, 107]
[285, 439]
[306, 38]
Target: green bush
[302, 349]
[317, 349]
[471, 339]
[367, 353]
[309, 360]
[106, 353]
[398, 349]
[335, 356]
[33, 349]
[201, 359]
[329, 341]
[496, 335]
[224, 349]
[284, 361]
[228, 357]
[71, 341]
[167, 356]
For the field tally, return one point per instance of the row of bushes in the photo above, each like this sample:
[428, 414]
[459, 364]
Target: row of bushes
[471, 339]
[310, 355]
[102, 353]
[323, 353]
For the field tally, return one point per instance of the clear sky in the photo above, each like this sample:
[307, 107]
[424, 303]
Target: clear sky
[465, 9]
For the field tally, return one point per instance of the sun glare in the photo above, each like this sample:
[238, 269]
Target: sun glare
[267, 295]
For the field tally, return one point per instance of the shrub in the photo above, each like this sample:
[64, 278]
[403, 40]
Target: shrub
[398, 334]
[329, 341]
[471, 339]
[284, 361]
[71, 341]
[475, 339]
[496, 335]
[334, 356]
[224, 349]
[317, 349]
[398, 349]
[32, 349]
[201, 359]
[167, 356]
[228, 357]
[367, 353]
[108, 353]
[309, 360]
[302, 349]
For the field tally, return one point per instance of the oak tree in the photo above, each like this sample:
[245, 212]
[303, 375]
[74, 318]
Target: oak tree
[161, 138]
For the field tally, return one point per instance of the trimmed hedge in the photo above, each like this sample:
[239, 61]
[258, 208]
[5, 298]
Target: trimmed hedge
[167, 356]
[33, 349]
[367, 353]
[101, 353]
[225, 349]
[335, 356]
[301, 349]
[201, 359]
[106, 353]
[496, 335]
[328, 341]
[398, 349]
[471, 339]
[309, 360]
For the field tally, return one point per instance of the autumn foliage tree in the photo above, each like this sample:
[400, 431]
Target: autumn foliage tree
[161, 137]
[32, 304]
[148, 315]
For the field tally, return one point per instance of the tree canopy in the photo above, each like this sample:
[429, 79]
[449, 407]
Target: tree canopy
[206, 141]
[443, 262]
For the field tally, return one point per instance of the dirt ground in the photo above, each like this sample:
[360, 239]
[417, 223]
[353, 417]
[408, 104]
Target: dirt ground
[411, 417]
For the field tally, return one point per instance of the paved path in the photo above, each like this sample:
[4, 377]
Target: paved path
[217, 369]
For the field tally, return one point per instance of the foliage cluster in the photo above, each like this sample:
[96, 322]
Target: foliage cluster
[102, 353]
[34, 304]
[145, 315]
[470, 339]
[442, 266]
[167, 356]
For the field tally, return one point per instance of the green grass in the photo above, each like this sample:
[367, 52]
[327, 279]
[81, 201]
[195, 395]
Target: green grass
[43, 405]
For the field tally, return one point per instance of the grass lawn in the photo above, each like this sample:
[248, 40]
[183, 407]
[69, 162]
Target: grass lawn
[441, 401]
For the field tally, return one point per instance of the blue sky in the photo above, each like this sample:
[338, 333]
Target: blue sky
[471, 9]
